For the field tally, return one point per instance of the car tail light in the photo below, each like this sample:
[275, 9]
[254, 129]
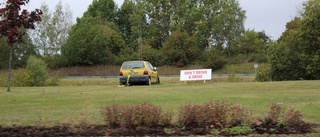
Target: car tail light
[120, 74]
[145, 72]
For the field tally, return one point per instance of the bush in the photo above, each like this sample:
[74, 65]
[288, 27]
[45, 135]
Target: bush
[258, 58]
[293, 118]
[21, 78]
[238, 130]
[155, 56]
[278, 122]
[3, 79]
[37, 70]
[54, 81]
[232, 75]
[212, 114]
[263, 73]
[213, 117]
[215, 60]
[55, 61]
[34, 75]
[181, 49]
[274, 112]
[140, 115]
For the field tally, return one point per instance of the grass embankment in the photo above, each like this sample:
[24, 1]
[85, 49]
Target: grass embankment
[50, 106]
[163, 70]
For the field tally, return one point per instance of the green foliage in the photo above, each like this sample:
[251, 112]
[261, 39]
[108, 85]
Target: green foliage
[285, 64]
[55, 61]
[93, 42]
[243, 129]
[211, 24]
[156, 56]
[37, 72]
[250, 42]
[34, 75]
[296, 55]
[263, 73]
[3, 79]
[105, 9]
[215, 60]
[180, 48]
[54, 80]
[21, 78]
[52, 32]
[21, 53]
[232, 75]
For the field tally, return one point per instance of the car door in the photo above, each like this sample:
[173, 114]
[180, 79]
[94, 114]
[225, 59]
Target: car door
[153, 73]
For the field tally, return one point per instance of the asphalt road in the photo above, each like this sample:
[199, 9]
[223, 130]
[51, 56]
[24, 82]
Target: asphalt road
[213, 75]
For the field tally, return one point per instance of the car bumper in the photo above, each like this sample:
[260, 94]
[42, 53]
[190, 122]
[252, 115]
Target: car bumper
[134, 79]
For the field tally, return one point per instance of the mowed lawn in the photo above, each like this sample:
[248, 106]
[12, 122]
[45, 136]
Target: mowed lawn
[83, 101]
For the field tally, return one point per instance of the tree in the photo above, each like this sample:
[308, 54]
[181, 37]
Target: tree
[310, 41]
[125, 13]
[215, 23]
[250, 42]
[215, 60]
[37, 71]
[104, 9]
[93, 42]
[52, 32]
[20, 54]
[181, 48]
[159, 13]
[297, 53]
[40, 35]
[13, 23]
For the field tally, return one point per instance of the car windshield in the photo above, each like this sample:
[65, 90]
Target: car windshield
[133, 65]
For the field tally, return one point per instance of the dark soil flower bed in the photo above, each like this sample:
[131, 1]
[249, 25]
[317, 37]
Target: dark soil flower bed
[100, 130]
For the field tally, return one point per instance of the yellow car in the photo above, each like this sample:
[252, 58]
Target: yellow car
[138, 72]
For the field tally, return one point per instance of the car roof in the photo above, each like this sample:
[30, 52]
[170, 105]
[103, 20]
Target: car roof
[137, 61]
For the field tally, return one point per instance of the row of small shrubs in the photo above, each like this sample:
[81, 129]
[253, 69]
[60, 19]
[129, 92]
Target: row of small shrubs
[145, 115]
[278, 120]
[212, 114]
[35, 74]
[214, 117]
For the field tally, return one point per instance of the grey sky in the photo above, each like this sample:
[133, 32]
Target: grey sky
[268, 15]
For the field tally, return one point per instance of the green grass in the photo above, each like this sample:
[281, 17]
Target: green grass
[82, 103]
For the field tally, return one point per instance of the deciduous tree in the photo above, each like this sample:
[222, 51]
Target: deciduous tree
[180, 48]
[52, 32]
[297, 53]
[13, 24]
[93, 42]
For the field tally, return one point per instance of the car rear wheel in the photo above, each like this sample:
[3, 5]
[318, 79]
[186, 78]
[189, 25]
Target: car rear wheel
[149, 82]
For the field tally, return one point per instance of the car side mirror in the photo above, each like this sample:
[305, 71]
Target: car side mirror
[154, 69]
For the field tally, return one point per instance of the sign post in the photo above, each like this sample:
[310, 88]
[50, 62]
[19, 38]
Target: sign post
[256, 67]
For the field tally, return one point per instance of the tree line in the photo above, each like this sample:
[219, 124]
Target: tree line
[170, 32]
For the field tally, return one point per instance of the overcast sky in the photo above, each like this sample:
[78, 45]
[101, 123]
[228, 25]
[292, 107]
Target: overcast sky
[270, 16]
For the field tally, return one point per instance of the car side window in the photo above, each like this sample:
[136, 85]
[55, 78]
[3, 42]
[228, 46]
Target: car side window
[150, 66]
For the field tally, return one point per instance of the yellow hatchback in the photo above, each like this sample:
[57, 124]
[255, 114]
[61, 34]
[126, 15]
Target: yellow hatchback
[138, 72]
